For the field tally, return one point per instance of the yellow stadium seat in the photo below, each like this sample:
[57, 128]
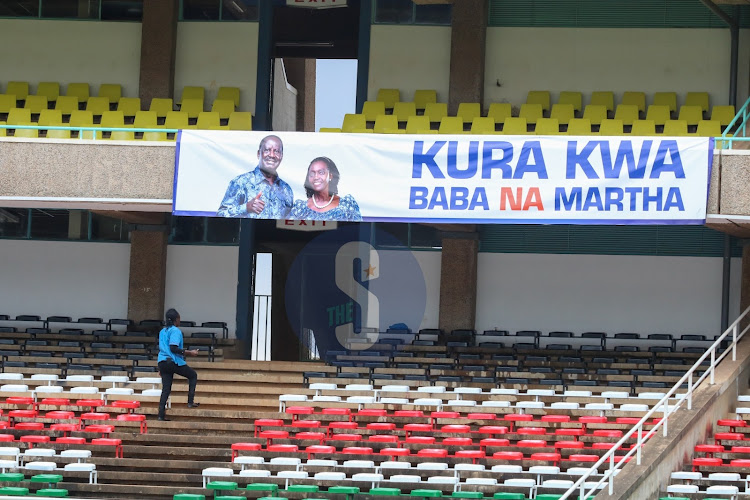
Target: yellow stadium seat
[229, 94]
[112, 91]
[329, 130]
[387, 124]
[419, 125]
[155, 136]
[35, 103]
[668, 99]
[7, 102]
[540, 97]
[193, 107]
[708, 128]
[570, 97]
[595, 113]
[51, 90]
[435, 111]
[692, 99]
[224, 107]
[50, 117]
[129, 105]
[28, 133]
[353, 122]
[563, 113]
[515, 125]
[643, 128]
[403, 110]
[723, 114]
[659, 113]
[176, 120]
[161, 106]
[122, 135]
[193, 93]
[451, 125]
[79, 90]
[209, 120]
[66, 104]
[18, 89]
[58, 134]
[113, 119]
[675, 128]
[373, 109]
[637, 99]
[691, 114]
[500, 111]
[241, 120]
[579, 126]
[145, 119]
[19, 116]
[611, 127]
[389, 97]
[483, 125]
[547, 126]
[467, 111]
[603, 98]
[97, 105]
[628, 113]
[531, 112]
[423, 97]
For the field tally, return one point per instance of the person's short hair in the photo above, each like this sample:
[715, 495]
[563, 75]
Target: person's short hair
[268, 137]
[170, 316]
[333, 186]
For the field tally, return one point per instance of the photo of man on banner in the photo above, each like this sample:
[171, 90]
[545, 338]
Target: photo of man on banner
[260, 193]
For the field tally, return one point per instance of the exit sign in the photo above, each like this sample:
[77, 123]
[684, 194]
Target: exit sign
[316, 4]
[306, 225]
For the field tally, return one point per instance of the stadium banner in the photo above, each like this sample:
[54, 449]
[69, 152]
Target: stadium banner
[443, 178]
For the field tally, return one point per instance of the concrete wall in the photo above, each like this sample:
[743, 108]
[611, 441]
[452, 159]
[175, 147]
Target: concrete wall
[216, 55]
[409, 58]
[610, 293]
[648, 60]
[45, 51]
[284, 100]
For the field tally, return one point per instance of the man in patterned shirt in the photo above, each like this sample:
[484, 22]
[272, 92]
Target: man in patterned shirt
[260, 193]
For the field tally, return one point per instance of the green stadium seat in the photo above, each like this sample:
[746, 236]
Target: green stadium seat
[505, 495]
[603, 98]
[668, 99]
[500, 111]
[229, 497]
[14, 491]
[389, 97]
[571, 97]
[46, 478]
[548, 496]
[224, 107]
[303, 488]
[423, 97]
[222, 485]
[637, 99]
[241, 120]
[425, 493]
[229, 94]
[273, 488]
[50, 90]
[11, 477]
[467, 494]
[188, 496]
[344, 490]
[112, 91]
[386, 492]
[81, 91]
[467, 111]
[52, 492]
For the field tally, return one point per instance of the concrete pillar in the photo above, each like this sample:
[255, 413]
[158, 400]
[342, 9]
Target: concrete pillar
[301, 75]
[158, 47]
[468, 38]
[458, 280]
[148, 270]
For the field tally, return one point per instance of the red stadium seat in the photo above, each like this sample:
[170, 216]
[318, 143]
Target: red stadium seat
[7, 438]
[507, 455]
[481, 416]
[117, 443]
[60, 415]
[267, 422]
[531, 443]
[337, 411]
[474, 455]
[559, 445]
[283, 448]
[709, 449]
[296, 411]
[602, 446]
[317, 449]
[731, 423]
[484, 443]
[409, 413]
[317, 436]
[409, 428]
[341, 425]
[131, 406]
[55, 402]
[345, 437]
[456, 429]
[435, 415]
[584, 457]
[90, 403]
[306, 424]
[29, 426]
[371, 412]
[65, 428]
[627, 420]
[546, 457]
[493, 429]
[592, 419]
[536, 431]
[395, 452]
[237, 447]
[32, 439]
[420, 439]
[708, 462]
[433, 452]
[269, 436]
[103, 429]
[383, 438]
[21, 414]
[556, 418]
[737, 462]
[134, 417]
[21, 400]
[357, 450]
[740, 449]
[611, 433]
[70, 440]
[728, 436]
[457, 441]
[515, 417]
[381, 426]
[570, 431]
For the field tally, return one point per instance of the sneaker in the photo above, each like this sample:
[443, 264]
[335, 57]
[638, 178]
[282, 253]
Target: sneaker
[193, 405]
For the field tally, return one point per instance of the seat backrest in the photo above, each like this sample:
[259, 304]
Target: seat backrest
[417, 124]
[66, 104]
[547, 126]
[58, 134]
[532, 112]
[26, 132]
[451, 125]
[708, 128]
[389, 97]
[595, 113]
[122, 135]
[193, 107]
[385, 124]
[208, 120]
[155, 136]
[51, 90]
[353, 122]
[723, 114]
[697, 99]
[373, 109]
[515, 125]
[659, 113]
[483, 125]
[81, 118]
[500, 111]
[113, 119]
[97, 105]
[540, 97]
[36, 103]
[637, 99]
[628, 113]
[422, 97]
[19, 116]
[176, 120]
[241, 120]
[668, 99]
[229, 94]
[611, 126]
[79, 90]
[7, 102]
[579, 126]
[112, 91]
[435, 111]
[129, 105]
[467, 111]
[691, 114]
[403, 110]
[675, 128]
[161, 106]
[563, 112]
[571, 97]
[190, 92]
[18, 89]
[604, 98]
[224, 107]
[144, 119]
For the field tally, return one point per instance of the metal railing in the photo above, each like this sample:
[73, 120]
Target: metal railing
[81, 130]
[664, 409]
[739, 129]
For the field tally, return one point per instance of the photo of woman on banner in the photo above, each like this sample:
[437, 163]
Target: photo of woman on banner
[323, 201]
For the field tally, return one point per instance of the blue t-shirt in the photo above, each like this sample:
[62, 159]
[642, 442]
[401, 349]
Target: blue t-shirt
[168, 336]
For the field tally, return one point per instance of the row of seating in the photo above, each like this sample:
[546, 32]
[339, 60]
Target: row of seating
[423, 97]
[388, 124]
[111, 323]
[112, 92]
